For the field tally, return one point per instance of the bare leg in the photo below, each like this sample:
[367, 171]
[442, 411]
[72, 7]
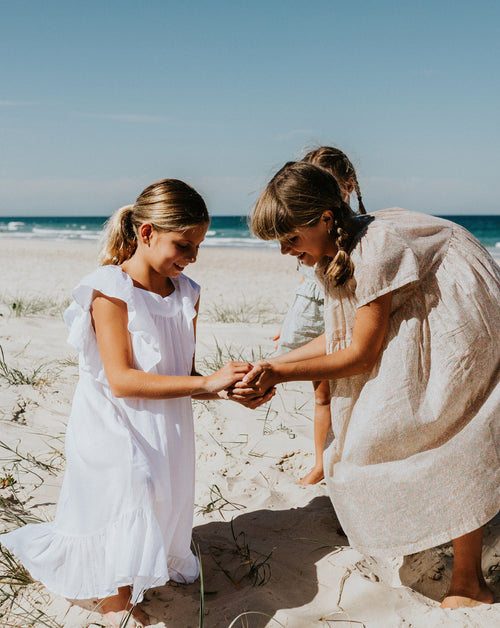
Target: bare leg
[467, 586]
[322, 422]
[116, 607]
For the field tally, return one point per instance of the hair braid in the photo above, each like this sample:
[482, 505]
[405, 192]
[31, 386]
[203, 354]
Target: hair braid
[297, 196]
[357, 189]
[341, 268]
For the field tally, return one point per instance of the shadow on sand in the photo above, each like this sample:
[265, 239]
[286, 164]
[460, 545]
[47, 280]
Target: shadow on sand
[295, 539]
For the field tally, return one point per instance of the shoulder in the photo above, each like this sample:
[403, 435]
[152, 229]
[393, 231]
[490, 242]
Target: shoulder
[382, 239]
[383, 257]
[109, 280]
[188, 287]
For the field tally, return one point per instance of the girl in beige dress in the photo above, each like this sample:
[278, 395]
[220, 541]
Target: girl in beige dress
[411, 347]
[305, 318]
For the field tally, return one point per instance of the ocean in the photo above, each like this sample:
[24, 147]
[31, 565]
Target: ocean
[229, 231]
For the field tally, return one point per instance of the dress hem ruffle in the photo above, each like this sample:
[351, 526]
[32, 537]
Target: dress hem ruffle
[431, 541]
[98, 563]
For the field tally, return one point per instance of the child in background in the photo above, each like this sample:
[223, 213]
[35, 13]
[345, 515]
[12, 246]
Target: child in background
[304, 320]
[412, 349]
[125, 511]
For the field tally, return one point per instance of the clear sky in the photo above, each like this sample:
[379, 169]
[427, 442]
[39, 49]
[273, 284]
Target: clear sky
[100, 98]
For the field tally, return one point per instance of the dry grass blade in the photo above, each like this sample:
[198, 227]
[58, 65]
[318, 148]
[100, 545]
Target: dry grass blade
[16, 377]
[230, 353]
[201, 621]
[13, 512]
[243, 312]
[11, 570]
[218, 502]
[259, 569]
[246, 613]
[20, 604]
[17, 458]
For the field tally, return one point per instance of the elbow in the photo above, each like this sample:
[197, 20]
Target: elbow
[365, 362]
[118, 391]
[366, 365]
[120, 386]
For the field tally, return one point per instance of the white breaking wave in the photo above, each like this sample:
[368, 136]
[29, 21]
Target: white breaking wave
[13, 225]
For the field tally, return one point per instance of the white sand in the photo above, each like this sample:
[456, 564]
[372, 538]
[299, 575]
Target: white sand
[254, 459]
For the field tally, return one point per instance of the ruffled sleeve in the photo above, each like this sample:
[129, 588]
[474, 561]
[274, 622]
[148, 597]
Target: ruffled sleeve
[190, 293]
[384, 262]
[112, 282]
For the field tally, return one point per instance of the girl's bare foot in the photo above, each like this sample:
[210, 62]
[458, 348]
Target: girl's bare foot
[467, 598]
[118, 619]
[314, 476]
[468, 586]
[117, 607]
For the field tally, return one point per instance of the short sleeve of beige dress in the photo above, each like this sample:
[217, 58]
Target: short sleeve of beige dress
[415, 459]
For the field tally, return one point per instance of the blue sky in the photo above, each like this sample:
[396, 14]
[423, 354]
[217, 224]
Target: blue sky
[100, 98]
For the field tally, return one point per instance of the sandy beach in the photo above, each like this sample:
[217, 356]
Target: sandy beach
[269, 548]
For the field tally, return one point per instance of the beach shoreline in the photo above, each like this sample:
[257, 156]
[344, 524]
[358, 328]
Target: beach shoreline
[250, 511]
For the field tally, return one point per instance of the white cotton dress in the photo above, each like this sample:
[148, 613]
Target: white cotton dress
[125, 511]
[304, 320]
[415, 459]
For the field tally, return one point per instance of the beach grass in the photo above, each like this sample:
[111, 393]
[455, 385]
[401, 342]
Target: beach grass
[243, 616]
[16, 377]
[218, 503]
[34, 306]
[243, 312]
[15, 464]
[21, 600]
[70, 361]
[257, 564]
[229, 352]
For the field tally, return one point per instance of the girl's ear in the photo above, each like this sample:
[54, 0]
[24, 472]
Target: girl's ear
[327, 219]
[349, 185]
[145, 231]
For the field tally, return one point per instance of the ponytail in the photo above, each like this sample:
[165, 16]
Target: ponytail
[119, 238]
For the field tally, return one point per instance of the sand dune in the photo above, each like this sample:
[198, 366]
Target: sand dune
[268, 546]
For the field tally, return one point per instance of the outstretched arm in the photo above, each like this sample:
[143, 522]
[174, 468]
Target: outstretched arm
[313, 349]
[110, 320]
[251, 403]
[370, 326]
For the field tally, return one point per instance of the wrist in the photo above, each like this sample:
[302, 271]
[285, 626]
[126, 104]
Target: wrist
[282, 372]
[206, 385]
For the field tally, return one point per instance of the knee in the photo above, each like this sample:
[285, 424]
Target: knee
[322, 394]
[322, 397]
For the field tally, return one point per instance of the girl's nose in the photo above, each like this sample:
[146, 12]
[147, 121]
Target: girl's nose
[285, 248]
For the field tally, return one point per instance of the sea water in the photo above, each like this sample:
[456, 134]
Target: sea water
[224, 231]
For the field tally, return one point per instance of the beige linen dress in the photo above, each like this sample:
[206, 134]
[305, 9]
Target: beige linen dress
[415, 459]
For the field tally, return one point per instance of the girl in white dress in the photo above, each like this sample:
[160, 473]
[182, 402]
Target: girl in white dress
[125, 512]
[412, 349]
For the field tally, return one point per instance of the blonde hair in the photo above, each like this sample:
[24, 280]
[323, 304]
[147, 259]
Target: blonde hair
[168, 205]
[297, 196]
[338, 164]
